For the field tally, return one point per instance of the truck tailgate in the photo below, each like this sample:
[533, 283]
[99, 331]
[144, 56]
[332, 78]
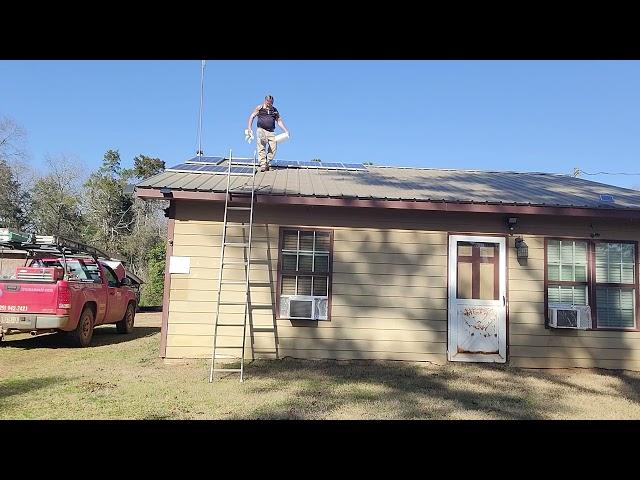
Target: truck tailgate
[38, 294]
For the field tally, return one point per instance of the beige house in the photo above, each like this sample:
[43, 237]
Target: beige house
[532, 269]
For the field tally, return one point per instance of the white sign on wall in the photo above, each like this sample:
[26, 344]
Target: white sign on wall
[179, 264]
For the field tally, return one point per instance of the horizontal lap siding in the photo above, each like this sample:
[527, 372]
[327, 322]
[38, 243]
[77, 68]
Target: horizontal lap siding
[389, 287]
[533, 345]
[379, 306]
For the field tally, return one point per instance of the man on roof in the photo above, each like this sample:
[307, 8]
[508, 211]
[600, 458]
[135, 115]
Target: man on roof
[268, 116]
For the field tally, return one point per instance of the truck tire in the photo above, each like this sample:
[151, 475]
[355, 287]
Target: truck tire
[82, 335]
[126, 324]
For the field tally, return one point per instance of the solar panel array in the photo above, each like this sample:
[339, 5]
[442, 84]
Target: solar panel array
[317, 164]
[217, 169]
[219, 165]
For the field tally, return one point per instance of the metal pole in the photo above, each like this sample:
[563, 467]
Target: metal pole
[200, 152]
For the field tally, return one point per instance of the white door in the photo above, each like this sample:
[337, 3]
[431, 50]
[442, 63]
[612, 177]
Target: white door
[477, 299]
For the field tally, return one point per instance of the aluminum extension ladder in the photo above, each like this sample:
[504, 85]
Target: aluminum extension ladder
[246, 262]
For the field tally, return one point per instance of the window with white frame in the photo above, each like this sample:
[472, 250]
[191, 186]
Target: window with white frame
[304, 274]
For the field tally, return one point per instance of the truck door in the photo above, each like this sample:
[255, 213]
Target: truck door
[115, 302]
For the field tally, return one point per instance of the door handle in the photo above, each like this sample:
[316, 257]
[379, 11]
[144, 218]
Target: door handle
[504, 301]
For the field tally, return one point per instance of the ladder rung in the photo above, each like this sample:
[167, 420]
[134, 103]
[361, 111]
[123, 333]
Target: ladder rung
[232, 303]
[237, 224]
[264, 329]
[238, 208]
[235, 263]
[231, 324]
[233, 282]
[235, 244]
[226, 370]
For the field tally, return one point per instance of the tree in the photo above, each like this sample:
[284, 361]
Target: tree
[153, 290]
[145, 167]
[13, 198]
[109, 208]
[56, 200]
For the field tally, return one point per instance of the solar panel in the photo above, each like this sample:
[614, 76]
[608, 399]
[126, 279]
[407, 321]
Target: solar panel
[286, 163]
[214, 169]
[185, 167]
[203, 159]
[358, 166]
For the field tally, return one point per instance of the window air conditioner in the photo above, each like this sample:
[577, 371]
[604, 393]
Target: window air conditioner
[303, 307]
[570, 316]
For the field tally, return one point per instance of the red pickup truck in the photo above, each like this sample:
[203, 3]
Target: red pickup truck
[42, 298]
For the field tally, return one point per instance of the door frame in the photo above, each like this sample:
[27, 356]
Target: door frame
[503, 329]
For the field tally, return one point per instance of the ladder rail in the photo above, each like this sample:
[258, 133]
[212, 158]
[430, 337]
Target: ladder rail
[247, 293]
[222, 251]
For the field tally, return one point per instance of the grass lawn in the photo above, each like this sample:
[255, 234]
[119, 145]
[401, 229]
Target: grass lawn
[121, 377]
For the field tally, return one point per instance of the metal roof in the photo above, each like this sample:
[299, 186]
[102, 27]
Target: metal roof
[414, 184]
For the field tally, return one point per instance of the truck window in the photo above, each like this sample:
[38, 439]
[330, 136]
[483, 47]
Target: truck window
[112, 279]
[76, 269]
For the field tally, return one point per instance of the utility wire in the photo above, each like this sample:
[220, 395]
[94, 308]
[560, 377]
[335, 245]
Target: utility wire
[577, 172]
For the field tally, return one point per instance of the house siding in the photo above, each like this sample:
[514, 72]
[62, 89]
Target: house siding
[389, 297]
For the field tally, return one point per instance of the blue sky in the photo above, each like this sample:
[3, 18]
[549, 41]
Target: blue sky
[548, 116]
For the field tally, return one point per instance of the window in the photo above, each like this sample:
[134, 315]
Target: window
[304, 273]
[478, 268]
[567, 269]
[112, 279]
[615, 284]
[601, 274]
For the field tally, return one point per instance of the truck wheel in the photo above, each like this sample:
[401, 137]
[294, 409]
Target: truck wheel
[82, 335]
[126, 324]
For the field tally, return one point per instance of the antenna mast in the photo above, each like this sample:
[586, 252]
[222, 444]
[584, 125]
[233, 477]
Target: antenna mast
[200, 152]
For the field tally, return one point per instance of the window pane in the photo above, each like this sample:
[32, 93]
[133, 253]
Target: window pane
[306, 241]
[566, 253]
[320, 286]
[322, 263]
[616, 307]
[305, 262]
[553, 252]
[465, 250]
[487, 281]
[288, 285]
[580, 257]
[566, 273]
[322, 241]
[615, 263]
[553, 272]
[567, 295]
[464, 279]
[304, 285]
[488, 251]
[289, 262]
[290, 240]
[581, 273]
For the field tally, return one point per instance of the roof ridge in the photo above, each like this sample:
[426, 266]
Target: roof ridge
[467, 170]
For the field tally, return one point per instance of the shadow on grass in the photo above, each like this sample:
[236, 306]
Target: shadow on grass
[318, 389]
[20, 386]
[102, 335]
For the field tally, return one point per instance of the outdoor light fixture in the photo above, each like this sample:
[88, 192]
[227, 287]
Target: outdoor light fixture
[511, 223]
[522, 250]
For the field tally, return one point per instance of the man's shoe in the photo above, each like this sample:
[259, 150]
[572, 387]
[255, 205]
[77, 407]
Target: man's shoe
[264, 168]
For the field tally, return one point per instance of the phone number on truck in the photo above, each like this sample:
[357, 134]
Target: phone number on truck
[13, 308]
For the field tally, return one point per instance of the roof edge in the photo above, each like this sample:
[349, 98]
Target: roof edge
[148, 193]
